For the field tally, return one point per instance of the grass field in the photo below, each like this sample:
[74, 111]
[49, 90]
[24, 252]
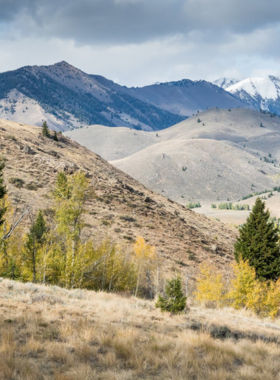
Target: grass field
[53, 333]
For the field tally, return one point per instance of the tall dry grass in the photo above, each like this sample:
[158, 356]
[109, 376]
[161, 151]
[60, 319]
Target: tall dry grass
[53, 333]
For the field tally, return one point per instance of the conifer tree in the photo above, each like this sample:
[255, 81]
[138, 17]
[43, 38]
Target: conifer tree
[45, 129]
[35, 239]
[55, 136]
[3, 191]
[258, 242]
[174, 301]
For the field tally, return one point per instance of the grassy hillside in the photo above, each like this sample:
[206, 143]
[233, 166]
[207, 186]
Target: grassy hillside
[53, 333]
[119, 207]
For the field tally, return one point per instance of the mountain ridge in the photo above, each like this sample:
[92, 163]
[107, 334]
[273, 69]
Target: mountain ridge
[69, 98]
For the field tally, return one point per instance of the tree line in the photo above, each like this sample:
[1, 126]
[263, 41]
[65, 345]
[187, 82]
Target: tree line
[56, 249]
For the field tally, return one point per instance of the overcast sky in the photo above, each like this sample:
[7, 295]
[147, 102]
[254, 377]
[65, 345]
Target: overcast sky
[138, 42]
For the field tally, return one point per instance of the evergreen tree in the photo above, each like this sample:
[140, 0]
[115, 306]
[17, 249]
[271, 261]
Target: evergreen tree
[174, 300]
[3, 191]
[55, 136]
[35, 239]
[45, 130]
[258, 242]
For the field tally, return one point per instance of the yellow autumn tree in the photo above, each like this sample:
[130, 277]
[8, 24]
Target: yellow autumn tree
[272, 301]
[147, 266]
[246, 290]
[70, 195]
[210, 286]
[111, 269]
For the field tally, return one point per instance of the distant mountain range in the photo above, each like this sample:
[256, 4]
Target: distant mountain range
[68, 98]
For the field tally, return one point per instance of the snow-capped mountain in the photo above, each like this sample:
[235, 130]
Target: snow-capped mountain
[261, 93]
[225, 82]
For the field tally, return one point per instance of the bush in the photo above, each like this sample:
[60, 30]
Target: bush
[174, 301]
[17, 182]
[193, 205]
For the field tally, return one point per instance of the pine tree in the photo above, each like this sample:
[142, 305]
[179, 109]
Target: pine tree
[258, 242]
[45, 130]
[35, 239]
[55, 136]
[174, 301]
[3, 191]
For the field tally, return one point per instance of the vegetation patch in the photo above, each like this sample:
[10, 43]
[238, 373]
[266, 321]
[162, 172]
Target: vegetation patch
[17, 182]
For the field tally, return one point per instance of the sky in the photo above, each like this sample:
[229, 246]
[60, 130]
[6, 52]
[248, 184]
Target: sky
[140, 42]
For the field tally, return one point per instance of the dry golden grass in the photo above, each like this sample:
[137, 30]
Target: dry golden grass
[53, 333]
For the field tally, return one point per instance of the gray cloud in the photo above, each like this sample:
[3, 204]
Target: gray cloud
[125, 21]
[141, 41]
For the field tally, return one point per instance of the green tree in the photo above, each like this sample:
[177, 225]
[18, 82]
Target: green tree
[258, 242]
[35, 240]
[45, 129]
[3, 191]
[174, 299]
[55, 136]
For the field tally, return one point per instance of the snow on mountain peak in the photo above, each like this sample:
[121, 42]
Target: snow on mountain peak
[225, 82]
[266, 88]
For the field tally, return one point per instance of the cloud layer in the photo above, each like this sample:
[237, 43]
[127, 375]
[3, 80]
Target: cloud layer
[142, 41]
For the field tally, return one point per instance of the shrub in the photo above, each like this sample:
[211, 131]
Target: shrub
[174, 301]
[128, 218]
[193, 205]
[17, 182]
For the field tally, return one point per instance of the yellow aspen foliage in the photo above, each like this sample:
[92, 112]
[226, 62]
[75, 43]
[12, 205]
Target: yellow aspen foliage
[242, 287]
[246, 290]
[210, 286]
[111, 269]
[147, 265]
[272, 301]
[70, 195]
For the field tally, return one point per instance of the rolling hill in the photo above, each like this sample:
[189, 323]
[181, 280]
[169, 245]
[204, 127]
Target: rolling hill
[217, 154]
